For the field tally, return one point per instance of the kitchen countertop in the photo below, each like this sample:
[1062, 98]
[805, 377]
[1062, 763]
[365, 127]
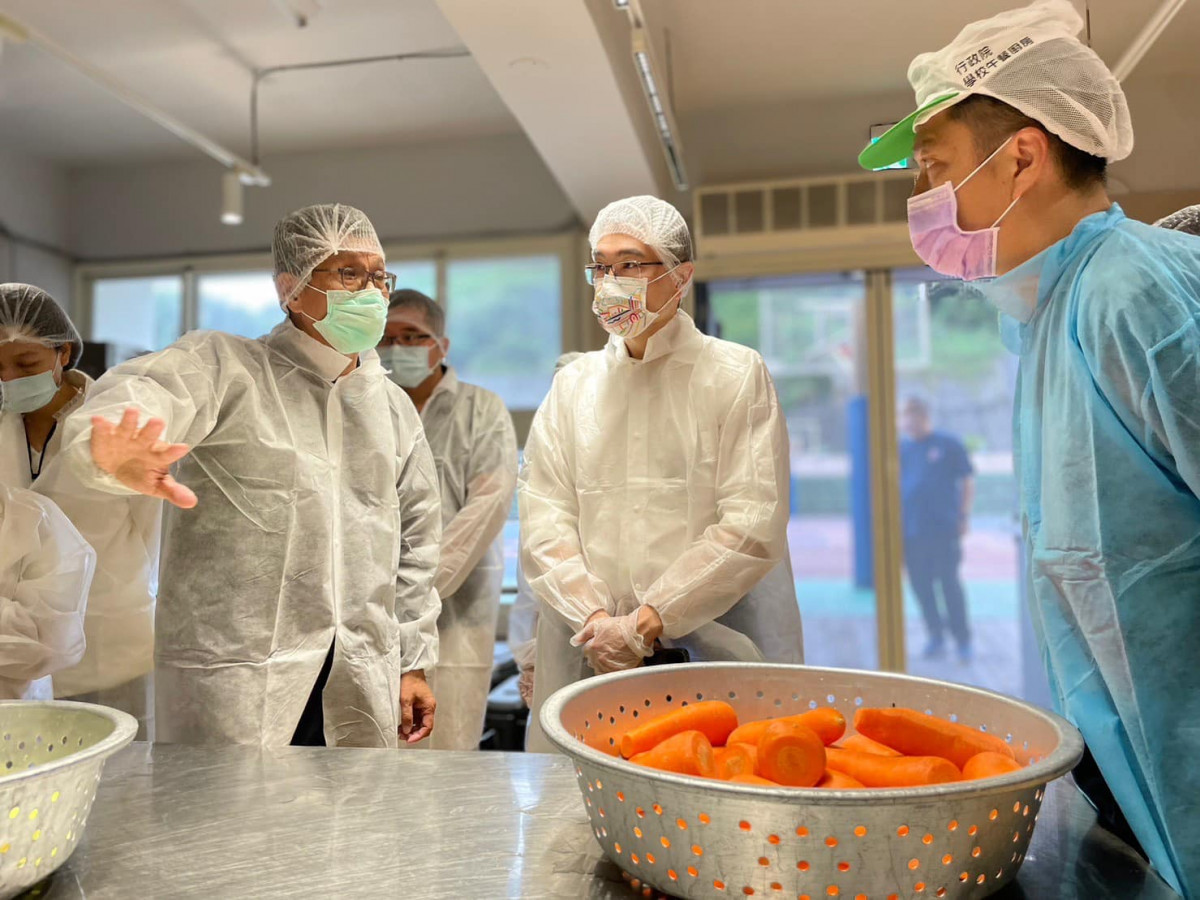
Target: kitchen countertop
[176, 821]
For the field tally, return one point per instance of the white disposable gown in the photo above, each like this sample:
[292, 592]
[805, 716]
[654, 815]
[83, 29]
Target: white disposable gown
[317, 526]
[124, 531]
[663, 482]
[45, 570]
[475, 450]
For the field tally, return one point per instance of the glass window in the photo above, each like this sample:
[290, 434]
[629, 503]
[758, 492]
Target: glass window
[965, 616]
[415, 274]
[242, 303]
[139, 313]
[505, 324]
[808, 330]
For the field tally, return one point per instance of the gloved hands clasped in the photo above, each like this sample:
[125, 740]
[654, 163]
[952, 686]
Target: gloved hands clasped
[616, 643]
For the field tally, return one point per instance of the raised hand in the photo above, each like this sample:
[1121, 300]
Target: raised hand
[138, 459]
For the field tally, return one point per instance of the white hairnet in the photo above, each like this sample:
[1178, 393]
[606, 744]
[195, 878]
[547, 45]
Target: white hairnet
[306, 238]
[654, 222]
[28, 313]
[1032, 59]
[1186, 220]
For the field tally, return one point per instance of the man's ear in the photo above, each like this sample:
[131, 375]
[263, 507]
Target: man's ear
[1031, 153]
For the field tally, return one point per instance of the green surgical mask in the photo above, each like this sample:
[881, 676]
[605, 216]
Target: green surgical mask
[354, 320]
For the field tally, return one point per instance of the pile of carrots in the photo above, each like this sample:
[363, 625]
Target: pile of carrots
[892, 748]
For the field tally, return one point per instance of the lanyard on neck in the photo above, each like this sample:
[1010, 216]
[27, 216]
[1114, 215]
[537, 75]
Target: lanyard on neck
[42, 459]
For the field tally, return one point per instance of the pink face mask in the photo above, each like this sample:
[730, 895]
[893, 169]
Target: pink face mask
[941, 243]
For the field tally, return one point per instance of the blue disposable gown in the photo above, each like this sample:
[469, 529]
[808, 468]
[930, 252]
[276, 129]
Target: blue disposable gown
[1107, 425]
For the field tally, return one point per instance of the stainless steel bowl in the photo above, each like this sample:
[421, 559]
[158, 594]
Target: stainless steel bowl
[51, 756]
[692, 837]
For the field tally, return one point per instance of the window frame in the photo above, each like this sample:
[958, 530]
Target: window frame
[569, 246]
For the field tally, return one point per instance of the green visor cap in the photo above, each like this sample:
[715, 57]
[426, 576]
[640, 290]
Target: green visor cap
[897, 143]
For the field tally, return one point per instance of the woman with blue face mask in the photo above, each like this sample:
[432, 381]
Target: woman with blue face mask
[39, 385]
[40, 389]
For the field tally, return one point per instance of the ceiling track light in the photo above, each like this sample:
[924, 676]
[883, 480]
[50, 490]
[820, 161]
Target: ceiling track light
[232, 198]
[660, 109]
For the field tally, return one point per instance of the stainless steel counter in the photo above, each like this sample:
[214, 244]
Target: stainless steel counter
[233, 822]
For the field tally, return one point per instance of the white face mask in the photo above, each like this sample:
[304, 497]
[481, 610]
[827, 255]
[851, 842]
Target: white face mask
[408, 366]
[25, 395]
[620, 305]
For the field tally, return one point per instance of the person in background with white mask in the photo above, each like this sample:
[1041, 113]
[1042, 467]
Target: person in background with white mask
[475, 450]
[39, 384]
[1017, 121]
[296, 602]
[523, 617]
[39, 388]
[654, 492]
[45, 571]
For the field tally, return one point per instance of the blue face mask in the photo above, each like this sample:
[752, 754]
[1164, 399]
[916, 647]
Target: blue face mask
[24, 395]
[409, 366]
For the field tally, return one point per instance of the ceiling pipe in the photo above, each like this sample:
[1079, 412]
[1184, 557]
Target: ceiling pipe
[1150, 33]
[248, 172]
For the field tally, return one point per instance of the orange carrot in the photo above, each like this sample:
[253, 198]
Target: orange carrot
[860, 743]
[916, 734]
[714, 718]
[736, 759]
[882, 771]
[988, 765]
[838, 781]
[752, 779]
[686, 753]
[752, 749]
[827, 722]
[791, 753]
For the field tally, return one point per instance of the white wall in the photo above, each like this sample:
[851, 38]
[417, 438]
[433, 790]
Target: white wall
[485, 186]
[33, 207]
[815, 137]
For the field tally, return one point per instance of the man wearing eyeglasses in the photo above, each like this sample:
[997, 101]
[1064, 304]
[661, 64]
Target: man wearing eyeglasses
[296, 603]
[475, 450]
[654, 495]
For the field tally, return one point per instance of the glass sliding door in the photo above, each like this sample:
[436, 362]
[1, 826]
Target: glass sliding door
[810, 330]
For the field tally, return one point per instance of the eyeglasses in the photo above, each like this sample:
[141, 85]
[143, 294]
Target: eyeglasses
[355, 279]
[627, 269]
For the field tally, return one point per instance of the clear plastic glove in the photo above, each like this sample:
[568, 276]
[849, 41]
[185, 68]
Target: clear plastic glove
[525, 686]
[612, 643]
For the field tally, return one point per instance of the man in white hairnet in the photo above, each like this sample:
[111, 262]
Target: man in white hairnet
[40, 387]
[296, 602]
[475, 450]
[654, 493]
[45, 571]
[1017, 120]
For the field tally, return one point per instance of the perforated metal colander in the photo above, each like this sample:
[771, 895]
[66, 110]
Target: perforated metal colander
[691, 837]
[51, 756]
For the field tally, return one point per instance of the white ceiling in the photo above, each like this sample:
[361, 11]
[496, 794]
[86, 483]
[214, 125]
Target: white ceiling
[194, 59]
[762, 88]
[765, 52]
